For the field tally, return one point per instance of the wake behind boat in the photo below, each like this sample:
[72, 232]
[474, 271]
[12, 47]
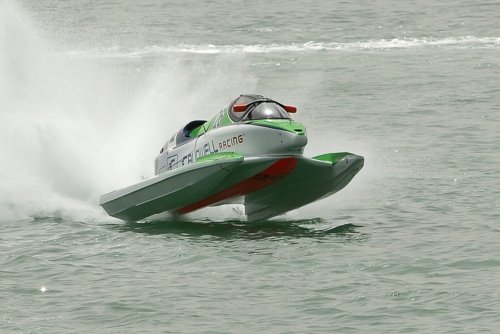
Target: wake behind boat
[250, 153]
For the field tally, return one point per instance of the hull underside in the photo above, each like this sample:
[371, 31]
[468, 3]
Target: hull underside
[268, 185]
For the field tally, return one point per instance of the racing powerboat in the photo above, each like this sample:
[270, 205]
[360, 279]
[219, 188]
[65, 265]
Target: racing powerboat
[250, 153]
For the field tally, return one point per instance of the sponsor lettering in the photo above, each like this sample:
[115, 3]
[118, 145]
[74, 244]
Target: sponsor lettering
[230, 142]
[172, 161]
[206, 149]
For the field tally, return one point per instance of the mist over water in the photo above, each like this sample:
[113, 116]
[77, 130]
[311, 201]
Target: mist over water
[90, 91]
[76, 126]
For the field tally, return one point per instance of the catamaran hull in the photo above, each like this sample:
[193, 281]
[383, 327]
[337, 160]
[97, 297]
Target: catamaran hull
[267, 185]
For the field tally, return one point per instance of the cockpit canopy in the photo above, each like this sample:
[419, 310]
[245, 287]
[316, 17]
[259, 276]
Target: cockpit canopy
[253, 107]
[246, 107]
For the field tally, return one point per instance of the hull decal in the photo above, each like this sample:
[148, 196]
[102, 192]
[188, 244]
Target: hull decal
[272, 174]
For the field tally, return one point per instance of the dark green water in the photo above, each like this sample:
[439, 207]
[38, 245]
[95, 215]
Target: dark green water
[90, 91]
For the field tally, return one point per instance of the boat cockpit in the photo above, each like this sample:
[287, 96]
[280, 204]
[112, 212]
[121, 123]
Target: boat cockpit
[250, 107]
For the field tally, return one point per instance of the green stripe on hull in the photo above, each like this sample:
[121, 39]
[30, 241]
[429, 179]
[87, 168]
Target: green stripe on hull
[281, 124]
[332, 157]
[218, 156]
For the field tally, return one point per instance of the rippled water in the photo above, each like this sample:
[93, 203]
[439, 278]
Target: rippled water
[89, 92]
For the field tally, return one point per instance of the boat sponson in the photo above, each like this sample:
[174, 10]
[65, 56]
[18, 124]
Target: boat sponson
[311, 180]
[270, 185]
[179, 188]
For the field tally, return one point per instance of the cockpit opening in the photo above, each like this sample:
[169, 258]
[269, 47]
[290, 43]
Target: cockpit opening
[254, 107]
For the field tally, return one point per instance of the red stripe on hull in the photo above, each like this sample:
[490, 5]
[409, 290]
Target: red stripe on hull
[273, 173]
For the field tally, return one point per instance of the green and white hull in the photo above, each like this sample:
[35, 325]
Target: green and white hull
[236, 157]
[267, 185]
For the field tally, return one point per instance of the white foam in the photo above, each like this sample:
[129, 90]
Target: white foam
[73, 128]
[460, 42]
